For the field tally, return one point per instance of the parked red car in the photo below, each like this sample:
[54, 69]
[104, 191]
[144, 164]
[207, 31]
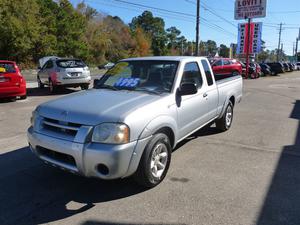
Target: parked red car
[12, 83]
[226, 66]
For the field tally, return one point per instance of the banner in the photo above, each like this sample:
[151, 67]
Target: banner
[255, 38]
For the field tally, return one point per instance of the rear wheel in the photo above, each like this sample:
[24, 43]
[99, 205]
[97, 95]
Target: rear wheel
[224, 123]
[52, 88]
[84, 86]
[155, 161]
[235, 73]
[40, 84]
[23, 97]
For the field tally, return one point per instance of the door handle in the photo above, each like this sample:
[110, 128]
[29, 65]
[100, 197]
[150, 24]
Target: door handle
[205, 95]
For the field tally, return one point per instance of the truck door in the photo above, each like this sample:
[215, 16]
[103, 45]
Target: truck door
[192, 110]
[212, 94]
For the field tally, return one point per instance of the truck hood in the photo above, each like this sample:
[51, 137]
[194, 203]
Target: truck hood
[95, 106]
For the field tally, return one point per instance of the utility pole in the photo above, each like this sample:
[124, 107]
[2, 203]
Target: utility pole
[197, 28]
[279, 40]
[182, 47]
[281, 52]
[296, 50]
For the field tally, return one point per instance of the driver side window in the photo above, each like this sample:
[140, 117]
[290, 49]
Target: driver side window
[192, 74]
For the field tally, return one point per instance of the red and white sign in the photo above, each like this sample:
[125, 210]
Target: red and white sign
[248, 9]
[254, 39]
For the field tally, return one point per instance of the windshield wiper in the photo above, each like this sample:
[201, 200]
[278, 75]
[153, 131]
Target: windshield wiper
[105, 86]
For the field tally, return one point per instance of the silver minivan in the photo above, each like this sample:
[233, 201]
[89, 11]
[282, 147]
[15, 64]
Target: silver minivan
[63, 72]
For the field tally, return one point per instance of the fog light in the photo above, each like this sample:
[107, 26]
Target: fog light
[102, 169]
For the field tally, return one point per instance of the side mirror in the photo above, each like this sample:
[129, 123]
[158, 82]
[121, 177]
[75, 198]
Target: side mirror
[188, 89]
[96, 82]
[39, 68]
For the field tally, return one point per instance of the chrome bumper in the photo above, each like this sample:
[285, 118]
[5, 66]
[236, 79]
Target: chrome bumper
[120, 160]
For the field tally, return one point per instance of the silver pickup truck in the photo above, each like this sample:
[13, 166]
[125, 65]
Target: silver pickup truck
[128, 124]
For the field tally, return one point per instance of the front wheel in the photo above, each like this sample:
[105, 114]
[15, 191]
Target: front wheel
[52, 88]
[40, 84]
[84, 86]
[224, 123]
[155, 161]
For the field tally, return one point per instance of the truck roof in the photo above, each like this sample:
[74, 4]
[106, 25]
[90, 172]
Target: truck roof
[167, 58]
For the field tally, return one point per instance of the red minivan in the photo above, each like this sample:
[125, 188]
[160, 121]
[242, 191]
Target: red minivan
[12, 83]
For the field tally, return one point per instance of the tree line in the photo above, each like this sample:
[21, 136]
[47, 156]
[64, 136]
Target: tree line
[31, 29]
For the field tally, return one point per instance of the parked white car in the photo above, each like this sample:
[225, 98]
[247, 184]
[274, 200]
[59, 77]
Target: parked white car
[62, 72]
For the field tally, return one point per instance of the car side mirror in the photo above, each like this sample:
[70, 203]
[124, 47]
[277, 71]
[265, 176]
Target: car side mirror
[39, 68]
[187, 89]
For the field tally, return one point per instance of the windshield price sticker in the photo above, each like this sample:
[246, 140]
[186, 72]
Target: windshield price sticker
[127, 82]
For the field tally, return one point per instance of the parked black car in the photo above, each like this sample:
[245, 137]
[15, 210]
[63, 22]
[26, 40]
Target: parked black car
[265, 69]
[286, 67]
[291, 66]
[276, 68]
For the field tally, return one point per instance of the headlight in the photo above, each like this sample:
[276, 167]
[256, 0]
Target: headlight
[111, 133]
[33, 117]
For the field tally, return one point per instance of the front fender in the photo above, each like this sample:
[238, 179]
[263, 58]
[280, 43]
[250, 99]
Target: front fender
[158, 123]
[153, 126]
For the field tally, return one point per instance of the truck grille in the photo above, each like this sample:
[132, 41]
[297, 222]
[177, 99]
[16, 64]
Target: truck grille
[61, 126]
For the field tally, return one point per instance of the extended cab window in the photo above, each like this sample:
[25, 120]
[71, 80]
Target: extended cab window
[192, 74]
[207, 71]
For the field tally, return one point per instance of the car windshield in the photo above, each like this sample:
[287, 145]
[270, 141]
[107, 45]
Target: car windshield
[70, 63]
[7, 68]
[152, 76]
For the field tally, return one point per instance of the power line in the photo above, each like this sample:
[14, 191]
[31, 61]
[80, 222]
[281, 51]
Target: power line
[184, 16]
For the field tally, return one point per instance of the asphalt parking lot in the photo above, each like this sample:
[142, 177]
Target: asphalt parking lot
[248, 175]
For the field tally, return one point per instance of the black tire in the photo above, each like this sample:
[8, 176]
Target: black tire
[23, 97]
[52, 88]
[84, 86]
[144, 174]
[235, 73]
[40, 84]
[222, 123]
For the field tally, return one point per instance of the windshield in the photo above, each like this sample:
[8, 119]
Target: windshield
[141, 75]
[70, 63]
[7, 68]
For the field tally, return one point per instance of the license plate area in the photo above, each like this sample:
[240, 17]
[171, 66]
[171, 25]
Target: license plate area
[75, 74]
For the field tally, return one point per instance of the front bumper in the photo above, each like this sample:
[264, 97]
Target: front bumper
[120, 160]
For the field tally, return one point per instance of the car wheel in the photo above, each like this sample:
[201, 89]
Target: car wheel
[155, 161]
[235, 73]
[224, 123]
[84, 86]
[40, 84]
[23, 97]
[52, 88]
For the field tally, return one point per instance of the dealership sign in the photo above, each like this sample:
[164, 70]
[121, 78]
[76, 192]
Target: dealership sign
[254, 39]
[248, 9]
